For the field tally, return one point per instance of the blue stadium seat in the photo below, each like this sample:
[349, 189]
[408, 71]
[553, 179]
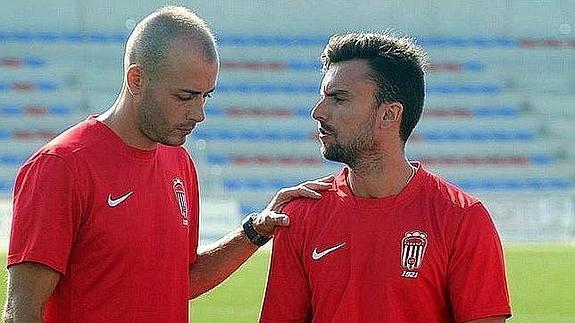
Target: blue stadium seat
[489, 103]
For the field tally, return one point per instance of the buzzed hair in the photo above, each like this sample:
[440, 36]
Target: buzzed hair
[150, 39]
[397, 66]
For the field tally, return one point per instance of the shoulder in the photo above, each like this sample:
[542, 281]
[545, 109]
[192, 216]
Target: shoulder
[60, 149]
[319, 209]
[443, 192]
[74, 140]
[454, 208]
[307, 212]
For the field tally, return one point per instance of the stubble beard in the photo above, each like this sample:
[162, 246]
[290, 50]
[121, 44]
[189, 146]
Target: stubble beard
[152, 121]
[361, 152]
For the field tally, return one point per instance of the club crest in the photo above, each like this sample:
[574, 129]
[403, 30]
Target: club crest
[413, 247]
[180, 192]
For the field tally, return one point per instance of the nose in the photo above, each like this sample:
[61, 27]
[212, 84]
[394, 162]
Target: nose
[318, 111]
[196, 111]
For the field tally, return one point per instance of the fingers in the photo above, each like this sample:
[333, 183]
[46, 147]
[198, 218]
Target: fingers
[326, 179]
[279, 219]
[266, 221]
[286, 195]
[267, 217]
[307, 189]
[321, 184]
[277, 203]
[309, 192]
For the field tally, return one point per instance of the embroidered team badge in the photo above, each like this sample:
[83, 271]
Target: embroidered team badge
[180, 191]
[413, 247]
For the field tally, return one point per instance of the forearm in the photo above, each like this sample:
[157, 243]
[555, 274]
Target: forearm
[22, 307]
[29, 287]
[18, 314]
[219, 260]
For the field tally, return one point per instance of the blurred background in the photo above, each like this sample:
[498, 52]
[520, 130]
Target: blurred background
[499, 117]
[498, 121]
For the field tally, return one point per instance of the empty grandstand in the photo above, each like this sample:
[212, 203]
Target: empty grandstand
[498, 119]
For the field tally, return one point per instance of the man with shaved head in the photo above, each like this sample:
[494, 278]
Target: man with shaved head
[105, 223]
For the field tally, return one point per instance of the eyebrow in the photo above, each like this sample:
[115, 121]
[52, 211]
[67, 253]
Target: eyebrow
[337, 93]
[197, 92]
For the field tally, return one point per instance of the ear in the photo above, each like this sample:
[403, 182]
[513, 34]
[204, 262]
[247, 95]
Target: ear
[134, 79]
[390, 114]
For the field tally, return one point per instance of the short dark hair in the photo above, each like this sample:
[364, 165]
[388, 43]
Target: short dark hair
[397, 67]
[149, 40]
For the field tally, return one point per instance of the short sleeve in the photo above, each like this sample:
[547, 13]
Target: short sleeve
[194, 202]
[46, 213]
[477, 279]
[287, 296]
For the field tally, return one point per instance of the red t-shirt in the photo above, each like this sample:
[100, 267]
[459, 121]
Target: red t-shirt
[119, 224]
[429, 254]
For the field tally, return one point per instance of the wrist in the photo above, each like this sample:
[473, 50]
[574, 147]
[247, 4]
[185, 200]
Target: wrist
[253, 235]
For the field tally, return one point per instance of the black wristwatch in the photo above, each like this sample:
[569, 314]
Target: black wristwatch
[248, 225]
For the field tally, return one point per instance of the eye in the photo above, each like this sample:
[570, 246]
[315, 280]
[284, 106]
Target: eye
[208, 95]
[184, 97]
[338, 99]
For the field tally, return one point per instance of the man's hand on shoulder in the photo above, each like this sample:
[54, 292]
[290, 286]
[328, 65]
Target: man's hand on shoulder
[265, 222]
[220, 259]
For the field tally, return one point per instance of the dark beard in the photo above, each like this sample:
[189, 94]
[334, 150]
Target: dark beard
[340, 153]
[356, 155]
[359, 153]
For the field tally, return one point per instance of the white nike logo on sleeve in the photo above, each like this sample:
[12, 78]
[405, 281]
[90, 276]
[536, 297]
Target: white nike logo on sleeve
[114, 202]
[315, 255]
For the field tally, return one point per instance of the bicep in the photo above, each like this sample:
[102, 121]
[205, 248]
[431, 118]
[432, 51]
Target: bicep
[29, 287]
[47, 213]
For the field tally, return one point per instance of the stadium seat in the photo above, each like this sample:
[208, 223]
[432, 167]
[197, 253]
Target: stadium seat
[488, 125]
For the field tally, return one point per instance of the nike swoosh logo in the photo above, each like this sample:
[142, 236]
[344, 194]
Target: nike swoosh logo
[114, 202]
[315, 255]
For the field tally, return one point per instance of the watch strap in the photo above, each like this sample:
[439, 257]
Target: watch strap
[254, 236]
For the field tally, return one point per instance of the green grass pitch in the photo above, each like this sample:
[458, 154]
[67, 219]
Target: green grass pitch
[541, 280]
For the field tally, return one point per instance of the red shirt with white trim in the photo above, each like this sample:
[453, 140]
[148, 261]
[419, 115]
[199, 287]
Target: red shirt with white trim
[119, 224]
[429, 254]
